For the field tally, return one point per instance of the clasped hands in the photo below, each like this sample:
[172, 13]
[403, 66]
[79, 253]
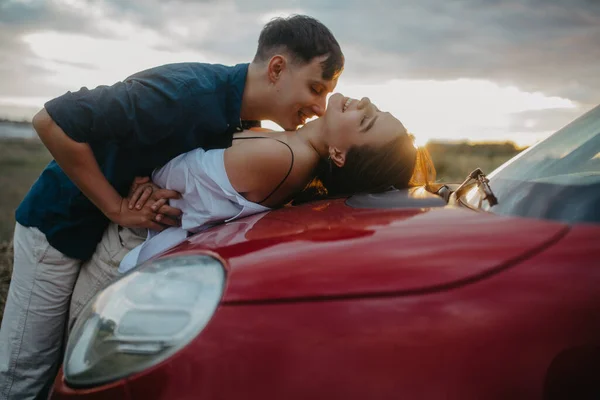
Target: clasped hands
[146, 206]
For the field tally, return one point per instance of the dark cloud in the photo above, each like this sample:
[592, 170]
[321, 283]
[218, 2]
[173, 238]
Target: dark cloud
[549, 46]
[546, 46]
[30, 16]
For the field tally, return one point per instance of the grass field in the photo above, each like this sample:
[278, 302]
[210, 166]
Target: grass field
[21, 161]
[454, 161]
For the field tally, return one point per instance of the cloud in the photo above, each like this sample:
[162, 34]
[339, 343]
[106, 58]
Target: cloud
[537, 45]
[546, 46]
[549, 46]
[543, 120]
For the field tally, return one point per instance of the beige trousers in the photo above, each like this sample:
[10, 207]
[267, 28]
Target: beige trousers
[43, 282]
[37, 306]
[100, 270]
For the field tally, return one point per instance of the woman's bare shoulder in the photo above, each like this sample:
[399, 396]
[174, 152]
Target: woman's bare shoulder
[257, 165]
[260, 129]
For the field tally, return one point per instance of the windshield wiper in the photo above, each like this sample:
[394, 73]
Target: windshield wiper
[483, 186]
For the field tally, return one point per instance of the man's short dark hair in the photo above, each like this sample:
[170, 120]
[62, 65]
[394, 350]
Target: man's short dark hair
[304, 38]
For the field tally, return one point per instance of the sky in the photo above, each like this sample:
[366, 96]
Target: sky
[478, 70]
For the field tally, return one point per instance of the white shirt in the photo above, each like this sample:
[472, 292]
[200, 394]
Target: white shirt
[207, 198]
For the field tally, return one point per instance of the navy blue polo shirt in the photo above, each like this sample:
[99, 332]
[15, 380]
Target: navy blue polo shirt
[132, 127]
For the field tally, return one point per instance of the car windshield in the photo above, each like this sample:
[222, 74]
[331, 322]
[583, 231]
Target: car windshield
[559, 178]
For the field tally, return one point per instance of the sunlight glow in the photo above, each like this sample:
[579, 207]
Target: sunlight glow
[79, 60]
[463, 109]
[456, 110]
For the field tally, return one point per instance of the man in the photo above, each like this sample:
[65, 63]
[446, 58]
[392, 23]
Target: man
[102, 138]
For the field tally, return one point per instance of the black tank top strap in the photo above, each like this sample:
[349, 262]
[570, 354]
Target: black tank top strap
[289, 170]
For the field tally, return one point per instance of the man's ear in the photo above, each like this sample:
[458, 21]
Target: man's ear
[277, 64]
[337, 156]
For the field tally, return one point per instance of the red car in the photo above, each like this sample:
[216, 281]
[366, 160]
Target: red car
[387, 296]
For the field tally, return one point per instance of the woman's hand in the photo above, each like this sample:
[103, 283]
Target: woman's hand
[144, 193]
[139, 192]
[137, 218]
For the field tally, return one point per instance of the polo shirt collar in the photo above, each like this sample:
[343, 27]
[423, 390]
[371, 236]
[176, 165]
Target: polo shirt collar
[236, 84]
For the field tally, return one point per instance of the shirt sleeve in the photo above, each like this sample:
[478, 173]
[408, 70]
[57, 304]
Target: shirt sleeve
[145, 109]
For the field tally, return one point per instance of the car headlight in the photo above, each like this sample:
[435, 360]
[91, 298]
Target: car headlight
[143, 318]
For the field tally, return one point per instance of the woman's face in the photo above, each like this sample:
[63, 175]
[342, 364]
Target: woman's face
[349, 122]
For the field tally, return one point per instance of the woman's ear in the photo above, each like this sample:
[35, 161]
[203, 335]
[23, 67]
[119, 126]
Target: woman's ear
[277, 65]
[337, 156]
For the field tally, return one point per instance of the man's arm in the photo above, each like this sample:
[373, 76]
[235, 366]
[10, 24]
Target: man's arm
[78, 162]
[126, 112]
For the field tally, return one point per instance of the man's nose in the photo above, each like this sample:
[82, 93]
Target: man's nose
[364, 102]
[319, 107]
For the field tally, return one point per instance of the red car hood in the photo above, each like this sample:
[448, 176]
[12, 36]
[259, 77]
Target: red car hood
[328, 249]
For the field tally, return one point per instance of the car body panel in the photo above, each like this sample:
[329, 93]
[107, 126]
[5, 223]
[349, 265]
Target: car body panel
[501, 337]
[329, 250]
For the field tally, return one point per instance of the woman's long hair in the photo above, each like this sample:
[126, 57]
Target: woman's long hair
[370, 169]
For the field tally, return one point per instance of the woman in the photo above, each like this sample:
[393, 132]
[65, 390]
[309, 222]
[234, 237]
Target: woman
[353, 148]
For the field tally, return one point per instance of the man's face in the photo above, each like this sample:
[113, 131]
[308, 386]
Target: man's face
[301, 93]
